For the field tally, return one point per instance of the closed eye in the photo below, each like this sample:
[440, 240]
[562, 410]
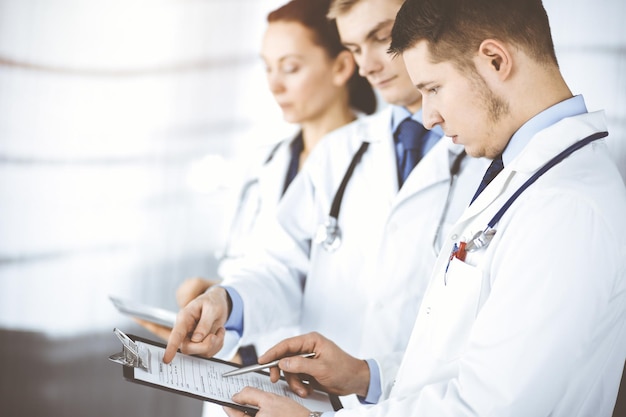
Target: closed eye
[427, 88]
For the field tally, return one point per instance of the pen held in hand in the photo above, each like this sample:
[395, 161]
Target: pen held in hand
[258, 367]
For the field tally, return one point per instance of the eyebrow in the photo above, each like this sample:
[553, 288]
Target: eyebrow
[373, 31]
[378, 27]
[423, 85]
[285, 57]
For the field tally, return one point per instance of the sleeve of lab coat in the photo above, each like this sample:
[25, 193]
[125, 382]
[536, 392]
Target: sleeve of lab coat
[271, 279]
[388, 366]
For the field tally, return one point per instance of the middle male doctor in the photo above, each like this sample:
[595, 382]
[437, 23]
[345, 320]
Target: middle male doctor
[362, 290]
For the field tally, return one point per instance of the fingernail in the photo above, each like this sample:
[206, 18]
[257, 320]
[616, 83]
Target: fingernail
[284, 364]
[197, 337]
[301, 392]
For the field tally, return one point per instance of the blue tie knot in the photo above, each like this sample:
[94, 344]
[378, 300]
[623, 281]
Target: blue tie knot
[410, 134]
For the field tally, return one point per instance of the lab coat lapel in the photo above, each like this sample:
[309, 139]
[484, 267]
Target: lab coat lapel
[434, 168]
[383, 176]
[489, 194]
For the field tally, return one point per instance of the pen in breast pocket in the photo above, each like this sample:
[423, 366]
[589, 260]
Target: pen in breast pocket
[258, 367]
[459, 252]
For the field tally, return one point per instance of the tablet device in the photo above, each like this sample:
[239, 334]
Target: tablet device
[201, 378]
[156, 315]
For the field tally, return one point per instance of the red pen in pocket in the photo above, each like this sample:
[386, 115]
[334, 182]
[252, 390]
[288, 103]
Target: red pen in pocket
[460, 252]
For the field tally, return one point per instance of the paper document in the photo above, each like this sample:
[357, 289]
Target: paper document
[202, 378]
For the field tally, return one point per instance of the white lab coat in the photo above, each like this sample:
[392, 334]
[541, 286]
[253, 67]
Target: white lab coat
[257, 203]
[253, 221]
[535, 323]
[256, 209]
[365, 295]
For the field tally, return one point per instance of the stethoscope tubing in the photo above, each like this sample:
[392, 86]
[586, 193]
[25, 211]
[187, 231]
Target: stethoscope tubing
[329, 233]
[455, 169]
[483, 238]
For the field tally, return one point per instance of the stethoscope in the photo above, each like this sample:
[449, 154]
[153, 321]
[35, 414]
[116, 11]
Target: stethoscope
[484, 237]
[246, 195]
[455, 169]
[328, 234]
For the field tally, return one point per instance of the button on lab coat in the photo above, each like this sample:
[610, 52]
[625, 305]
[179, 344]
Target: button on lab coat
[535, 323]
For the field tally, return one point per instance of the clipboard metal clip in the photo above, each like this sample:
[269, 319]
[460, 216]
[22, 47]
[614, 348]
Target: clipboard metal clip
[132, 354]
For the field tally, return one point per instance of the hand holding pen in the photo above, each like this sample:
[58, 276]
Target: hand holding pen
[331, 369]
[258, 367]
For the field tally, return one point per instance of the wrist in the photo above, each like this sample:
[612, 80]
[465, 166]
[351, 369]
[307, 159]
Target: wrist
[222, 294]
[363, 379]
[234, 310]
[229, 302]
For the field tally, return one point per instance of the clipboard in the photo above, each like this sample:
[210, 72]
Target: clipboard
[201, 378]
[156, 315]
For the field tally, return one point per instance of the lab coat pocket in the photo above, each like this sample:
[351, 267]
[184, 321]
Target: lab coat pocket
[454, 308]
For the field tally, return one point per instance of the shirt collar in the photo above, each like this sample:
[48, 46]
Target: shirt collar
[567, 108]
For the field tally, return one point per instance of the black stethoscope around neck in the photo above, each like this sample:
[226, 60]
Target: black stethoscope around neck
[484, 237]
[328, 234]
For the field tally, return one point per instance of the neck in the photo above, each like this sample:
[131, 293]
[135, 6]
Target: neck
[537, 91]
[415, 106]
[314, 130]
[542, 89]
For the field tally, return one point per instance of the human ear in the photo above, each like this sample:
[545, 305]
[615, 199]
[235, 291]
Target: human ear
[495, 57]
[343, 68]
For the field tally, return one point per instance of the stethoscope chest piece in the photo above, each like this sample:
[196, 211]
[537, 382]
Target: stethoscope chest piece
[329, 235]
[480, 240]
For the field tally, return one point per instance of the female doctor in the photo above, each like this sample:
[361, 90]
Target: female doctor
[315, 81]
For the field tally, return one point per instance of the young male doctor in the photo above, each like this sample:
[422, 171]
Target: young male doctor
[525, 312]
[361, 283]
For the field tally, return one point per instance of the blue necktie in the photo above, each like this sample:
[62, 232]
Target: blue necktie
[496, 166]
[410, 133]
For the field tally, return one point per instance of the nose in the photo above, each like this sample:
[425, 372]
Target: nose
[275, 83]
[368, 61]
[431, 117]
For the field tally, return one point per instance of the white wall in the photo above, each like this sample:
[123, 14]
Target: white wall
[119, 123]
[108, 111]
[590, 41]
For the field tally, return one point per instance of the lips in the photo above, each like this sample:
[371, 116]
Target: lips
[382, 83]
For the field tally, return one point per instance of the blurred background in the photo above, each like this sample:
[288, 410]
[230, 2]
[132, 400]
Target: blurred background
[125, 127]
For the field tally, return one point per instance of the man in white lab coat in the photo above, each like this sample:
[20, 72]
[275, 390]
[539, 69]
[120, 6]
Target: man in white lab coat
[366, 292]
[525, 312]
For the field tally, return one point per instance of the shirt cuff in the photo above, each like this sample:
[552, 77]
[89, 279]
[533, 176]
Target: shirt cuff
[374, 390]
[235, 319]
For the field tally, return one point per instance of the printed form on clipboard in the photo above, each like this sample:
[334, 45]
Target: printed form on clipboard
[201, 378]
